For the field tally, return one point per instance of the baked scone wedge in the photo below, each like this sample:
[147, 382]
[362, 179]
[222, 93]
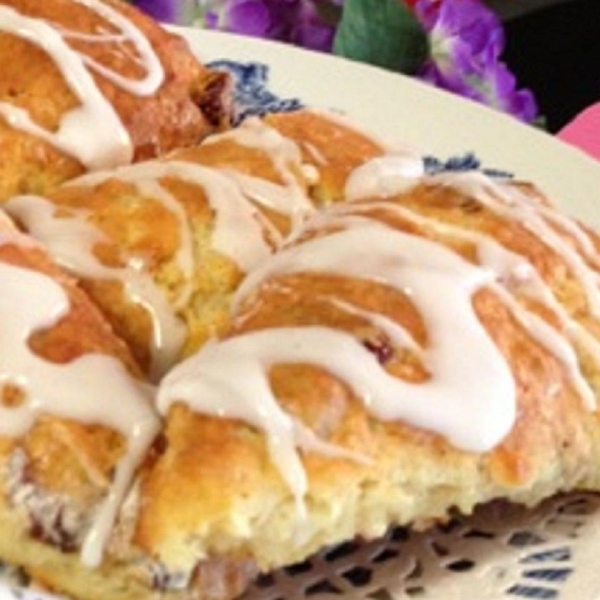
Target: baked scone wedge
[400, 358]
[161, 246]
[92, 85]
[76, 419]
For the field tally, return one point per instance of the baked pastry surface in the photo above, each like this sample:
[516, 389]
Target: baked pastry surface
[354, 305]
[222, 206]
[333, 144]
[67, 455]
[132, 89]
[429, 343]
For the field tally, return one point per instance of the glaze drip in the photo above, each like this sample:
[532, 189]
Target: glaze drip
[350, 242]
[94, 118]
[93, 389]
[128, 32]
[422, 270]
[71, 241]
[515, 277]
[241, 232]
[511, 203]
[289, 199]
[238, 232]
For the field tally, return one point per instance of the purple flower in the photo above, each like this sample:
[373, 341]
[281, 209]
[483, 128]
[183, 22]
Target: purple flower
[466, 41]
[294, 21]
[162, 10]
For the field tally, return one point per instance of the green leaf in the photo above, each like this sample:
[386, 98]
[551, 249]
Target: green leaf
[382, 32]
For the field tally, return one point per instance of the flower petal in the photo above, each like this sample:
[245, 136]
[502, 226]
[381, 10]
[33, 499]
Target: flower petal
[250, 17]
[162, 10]
[466, 40]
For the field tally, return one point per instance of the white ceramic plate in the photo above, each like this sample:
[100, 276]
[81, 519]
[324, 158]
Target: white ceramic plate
[549, 553]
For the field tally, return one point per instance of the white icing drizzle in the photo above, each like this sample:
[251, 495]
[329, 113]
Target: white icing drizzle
[238, 230]
[102, 37]
[398, 335]
[424, 271]
[240, 233]
[509, 202]
[94, 388]
[285, 155]
[515, 275]
[184, 255]
[94, 118]
[384, 176]
[71, 241]
[272, 195]
[550, 339]
[155, 74]
[316, 155]
[9, 235]
[255, 133]
[570, 226]
[217, 381]
[516, 270]
[449, 403]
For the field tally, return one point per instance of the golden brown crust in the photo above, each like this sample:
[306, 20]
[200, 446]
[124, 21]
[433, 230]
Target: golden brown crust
[247, 510]
[191, 103]
[128, 218]
[332, 145]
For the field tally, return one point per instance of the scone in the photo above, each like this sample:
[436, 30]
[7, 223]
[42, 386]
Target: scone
[161, 246]
[76, 418]
[402, 356]
[92, 85]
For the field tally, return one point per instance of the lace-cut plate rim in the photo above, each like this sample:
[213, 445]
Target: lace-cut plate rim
[501, 552]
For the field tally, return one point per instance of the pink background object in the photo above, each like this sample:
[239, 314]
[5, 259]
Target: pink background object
[584, 131]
